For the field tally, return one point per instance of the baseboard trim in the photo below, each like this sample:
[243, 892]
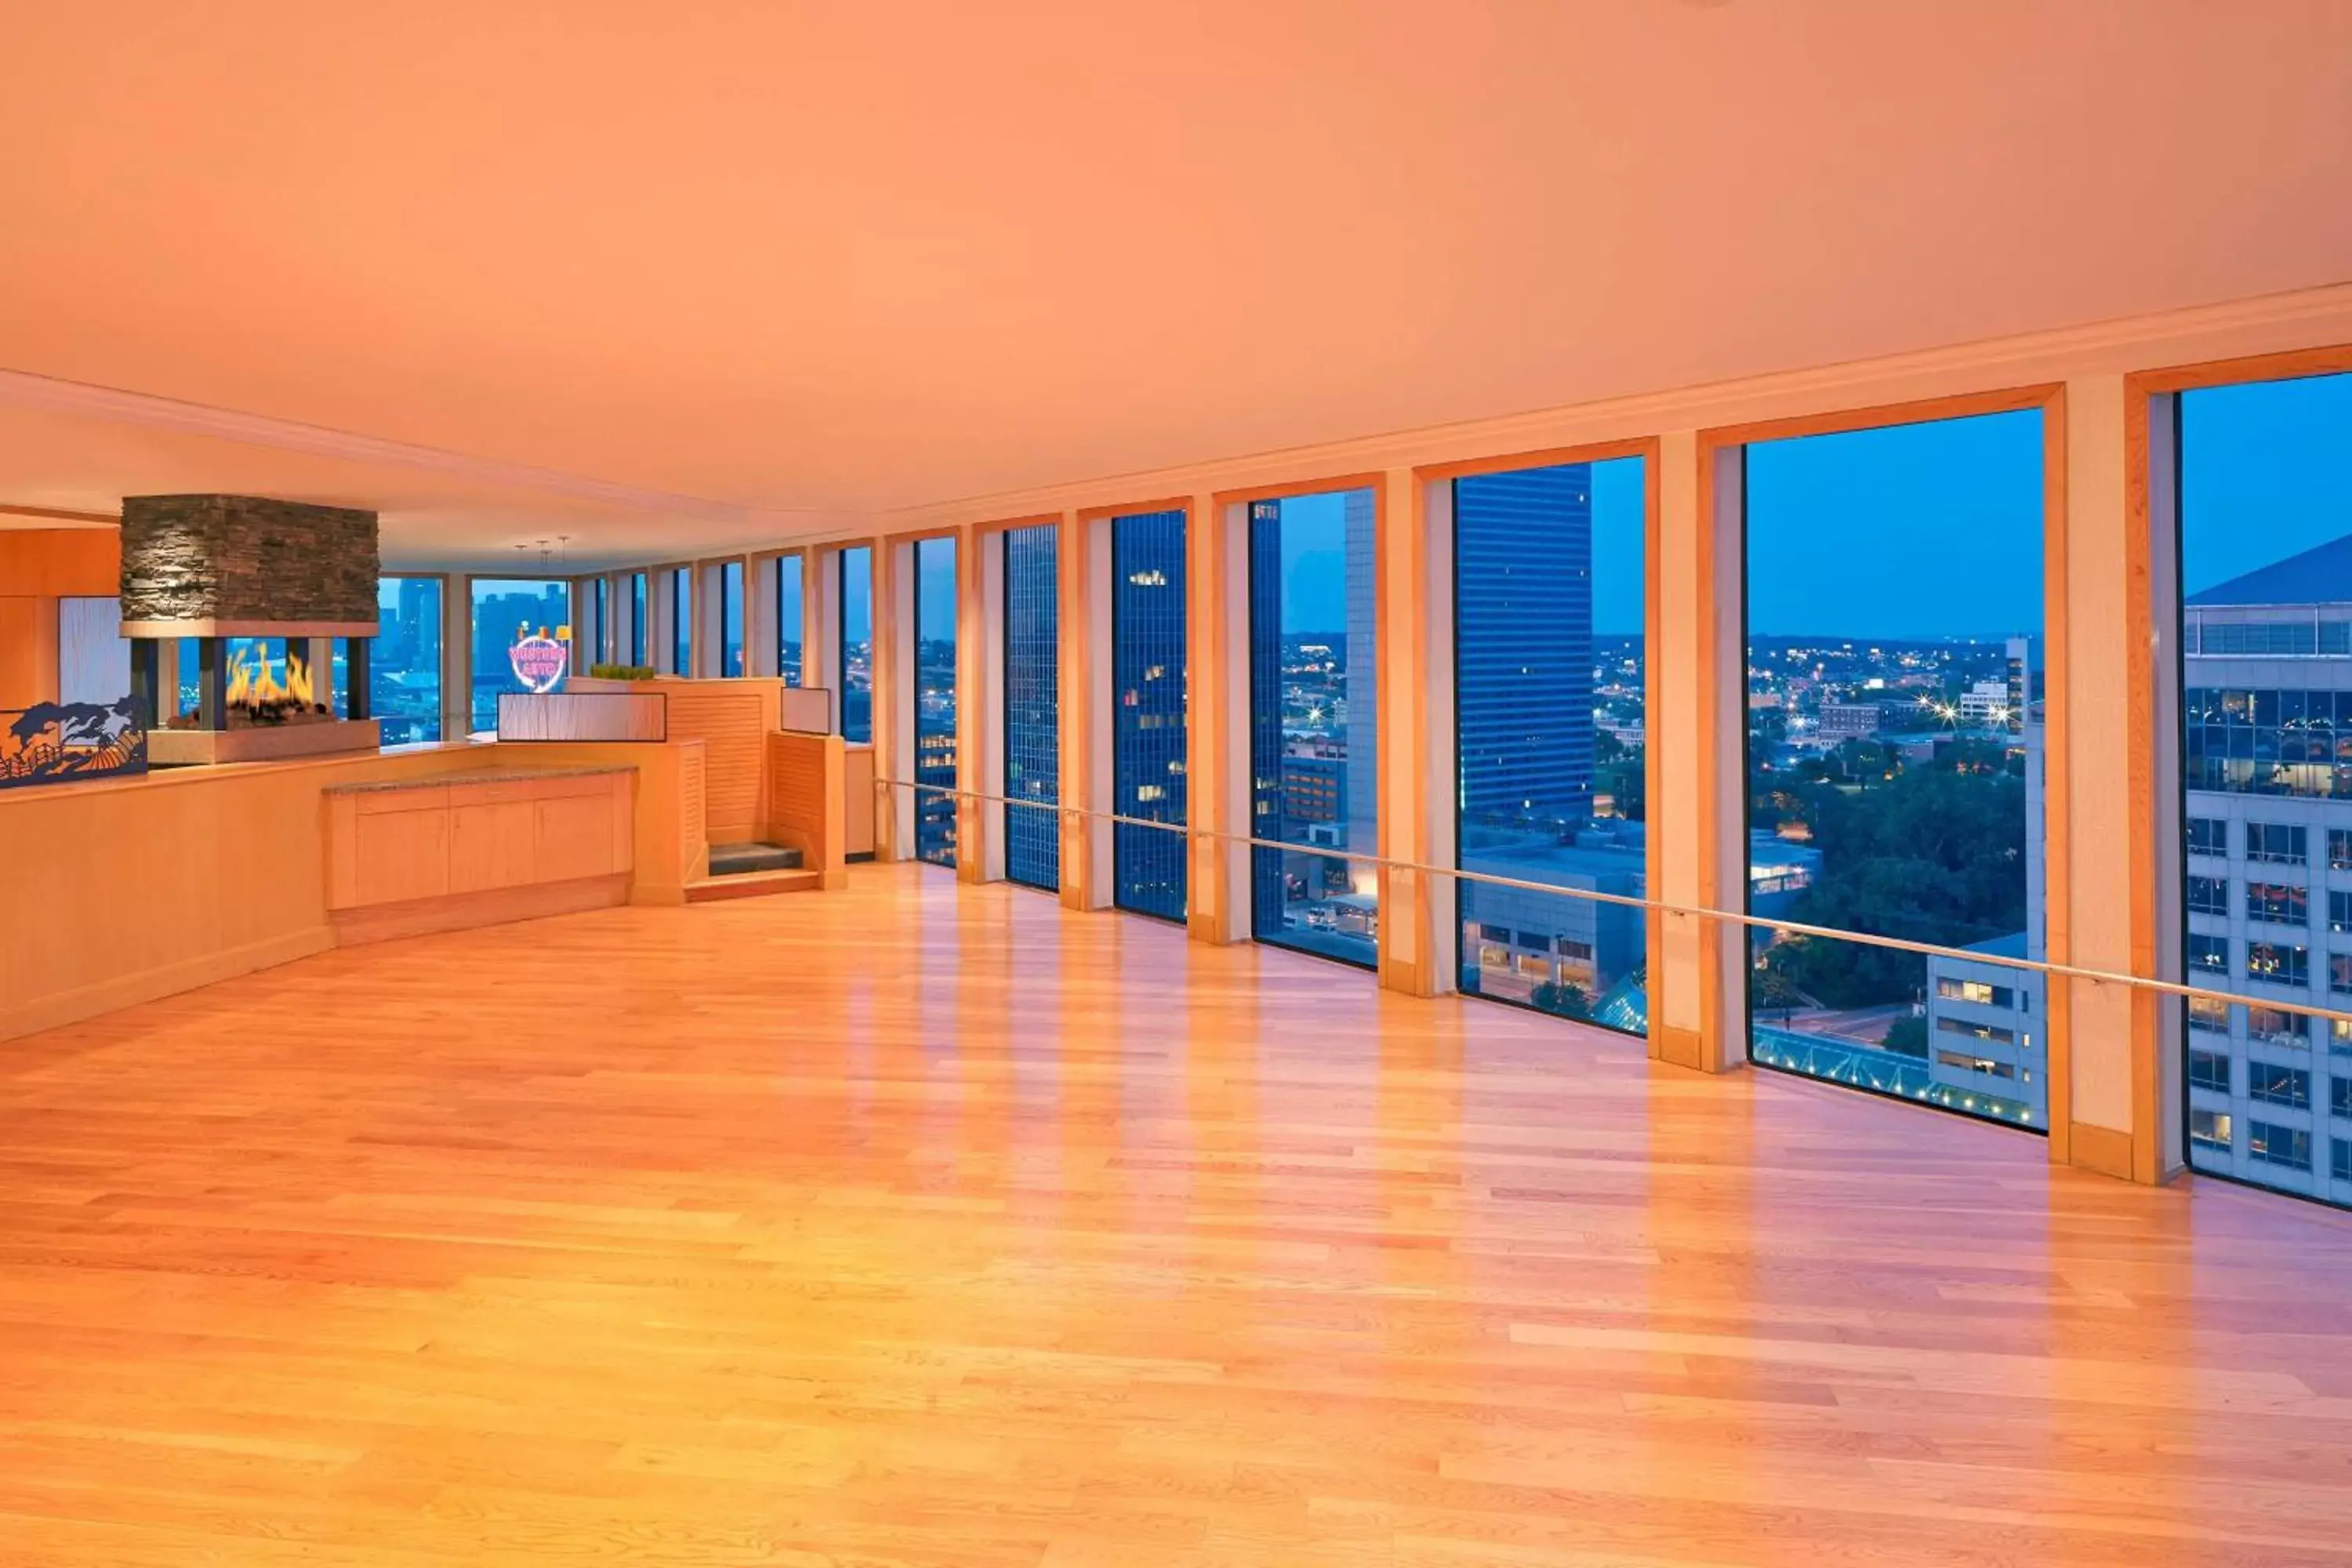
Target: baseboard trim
[166, 980]
[464, 911]
[1677, 1048]
[2100, 1149]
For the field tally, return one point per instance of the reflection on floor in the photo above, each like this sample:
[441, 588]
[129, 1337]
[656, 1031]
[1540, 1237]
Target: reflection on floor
[933, 1225]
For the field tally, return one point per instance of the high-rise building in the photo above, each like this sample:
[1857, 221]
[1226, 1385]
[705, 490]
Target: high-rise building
[1148, 734]
[2266, 699]
[1523, 659]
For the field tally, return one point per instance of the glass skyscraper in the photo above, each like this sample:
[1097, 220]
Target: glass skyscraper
[1148, 752]
[1523, 645]
[1033, 851]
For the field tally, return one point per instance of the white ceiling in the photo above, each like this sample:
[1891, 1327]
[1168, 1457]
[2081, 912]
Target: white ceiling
[690, 275]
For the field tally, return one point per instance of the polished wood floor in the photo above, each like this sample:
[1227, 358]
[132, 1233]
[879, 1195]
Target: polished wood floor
[927, 1225]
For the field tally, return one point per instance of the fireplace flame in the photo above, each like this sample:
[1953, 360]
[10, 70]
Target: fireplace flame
[253, 685]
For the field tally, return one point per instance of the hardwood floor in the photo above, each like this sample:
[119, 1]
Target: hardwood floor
[931, 1225]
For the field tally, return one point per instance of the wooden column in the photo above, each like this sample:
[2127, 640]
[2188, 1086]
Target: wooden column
[893, 571]
[1696, 740]
[2102, 1041]
[980, 705]
[1084, 671]
[1412, 590]
[1217, 716]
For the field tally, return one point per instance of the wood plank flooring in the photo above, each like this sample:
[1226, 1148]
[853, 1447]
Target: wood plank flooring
[925, 1225]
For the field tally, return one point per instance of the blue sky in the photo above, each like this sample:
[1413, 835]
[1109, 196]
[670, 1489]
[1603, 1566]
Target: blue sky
[1912, 530]
[2265, 473]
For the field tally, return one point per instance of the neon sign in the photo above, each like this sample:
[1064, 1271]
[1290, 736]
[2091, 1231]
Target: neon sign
[540, 661]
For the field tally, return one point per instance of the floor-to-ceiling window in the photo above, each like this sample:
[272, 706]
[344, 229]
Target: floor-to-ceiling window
[681, 621]
[1148, 755]
[640, 607]
[1549, 666]
[506, 610]
[2266, 778]
[730, 618]
[1314, 763]
[1895, 758]
[853, 660]
[1033, 851]
[405, 665]
[600, 619]
[788, 619]
[935, 699]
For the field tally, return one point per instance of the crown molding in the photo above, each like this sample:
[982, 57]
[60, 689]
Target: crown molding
[2266, 323]
[23, 389]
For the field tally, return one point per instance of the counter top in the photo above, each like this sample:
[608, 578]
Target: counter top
[493, 775]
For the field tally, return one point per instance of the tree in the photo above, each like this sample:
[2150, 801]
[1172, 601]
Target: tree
[1935, 855]
[1907, 1036]
[1770, 991]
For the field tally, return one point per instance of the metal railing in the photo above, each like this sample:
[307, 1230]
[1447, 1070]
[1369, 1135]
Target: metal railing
[1662, 906]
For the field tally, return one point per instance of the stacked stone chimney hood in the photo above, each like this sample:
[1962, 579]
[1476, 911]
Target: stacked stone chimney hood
[217, 567]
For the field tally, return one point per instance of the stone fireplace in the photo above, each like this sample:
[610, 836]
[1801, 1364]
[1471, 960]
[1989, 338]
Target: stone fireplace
[260, 592]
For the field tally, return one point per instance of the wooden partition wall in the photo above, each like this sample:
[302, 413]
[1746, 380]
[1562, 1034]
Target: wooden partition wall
[733, 719]
[120, 892]
[807, 809]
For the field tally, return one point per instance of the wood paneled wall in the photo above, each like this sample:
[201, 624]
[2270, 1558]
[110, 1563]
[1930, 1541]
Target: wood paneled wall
[38, 566]
[733, 719]
[806, 803]
[121, 892]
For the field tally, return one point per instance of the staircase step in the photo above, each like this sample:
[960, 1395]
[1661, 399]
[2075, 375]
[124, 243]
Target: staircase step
[753, 885]
[740, 859]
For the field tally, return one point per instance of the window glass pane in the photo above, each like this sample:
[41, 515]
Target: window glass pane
[1313, 754]
[1032, 703]
[1549, 663]
[730, 618]
[187, 679]
[404, 667]
[2266, 667]
[681, 624]
[1896, 757]
[639, 610]
[935, 699]
[506, 610]
[788, 619]
[855, 658]
[1147, 619]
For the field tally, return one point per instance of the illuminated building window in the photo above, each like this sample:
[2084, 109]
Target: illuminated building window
[1032, 853]
[1148, 733]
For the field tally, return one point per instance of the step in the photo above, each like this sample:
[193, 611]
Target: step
[753, 885]
[740, 859]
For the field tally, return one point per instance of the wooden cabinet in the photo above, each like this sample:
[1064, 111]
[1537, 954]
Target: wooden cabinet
[447, 853]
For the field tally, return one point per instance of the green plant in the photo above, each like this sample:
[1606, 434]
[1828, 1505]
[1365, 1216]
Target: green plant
[620, 672]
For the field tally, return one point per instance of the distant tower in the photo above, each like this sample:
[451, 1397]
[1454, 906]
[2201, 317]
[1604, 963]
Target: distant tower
[1523, 651]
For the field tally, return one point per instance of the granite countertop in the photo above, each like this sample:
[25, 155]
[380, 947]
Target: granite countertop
[499, 775]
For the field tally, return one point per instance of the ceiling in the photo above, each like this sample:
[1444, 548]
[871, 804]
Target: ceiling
[687, 277]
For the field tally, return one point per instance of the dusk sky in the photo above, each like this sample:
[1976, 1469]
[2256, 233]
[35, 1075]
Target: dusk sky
[2261, 473]
[1912, 530]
